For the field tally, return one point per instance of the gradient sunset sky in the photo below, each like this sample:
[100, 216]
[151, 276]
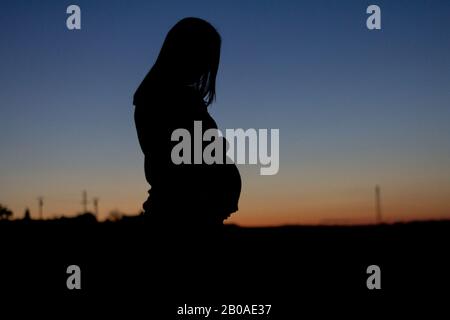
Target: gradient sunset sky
[355, 108]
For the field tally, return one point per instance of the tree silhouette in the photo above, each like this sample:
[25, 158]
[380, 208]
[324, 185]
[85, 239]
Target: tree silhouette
[5, 213]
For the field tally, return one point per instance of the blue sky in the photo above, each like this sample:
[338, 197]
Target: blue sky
[354, 107]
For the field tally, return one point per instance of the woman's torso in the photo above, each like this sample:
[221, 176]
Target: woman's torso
[181, 192]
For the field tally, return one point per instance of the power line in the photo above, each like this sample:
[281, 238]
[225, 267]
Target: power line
[84, 201]
[378, 205]
[41, 207]
[95, 202]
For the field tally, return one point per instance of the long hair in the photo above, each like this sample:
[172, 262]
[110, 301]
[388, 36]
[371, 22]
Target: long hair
[189, 56]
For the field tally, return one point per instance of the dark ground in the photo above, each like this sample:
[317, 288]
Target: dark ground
[135, 265]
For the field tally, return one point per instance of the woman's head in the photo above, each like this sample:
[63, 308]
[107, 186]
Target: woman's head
[189, 56]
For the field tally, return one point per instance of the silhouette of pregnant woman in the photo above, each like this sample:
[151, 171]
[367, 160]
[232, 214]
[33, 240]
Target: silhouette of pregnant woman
[175, 93]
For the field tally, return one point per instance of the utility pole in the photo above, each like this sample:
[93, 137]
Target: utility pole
[41, 206]
[95, 201]
[84, 201]
[378, 204]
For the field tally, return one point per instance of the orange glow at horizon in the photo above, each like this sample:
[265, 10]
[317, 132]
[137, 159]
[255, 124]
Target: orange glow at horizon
[300, 194]
[265, 208]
